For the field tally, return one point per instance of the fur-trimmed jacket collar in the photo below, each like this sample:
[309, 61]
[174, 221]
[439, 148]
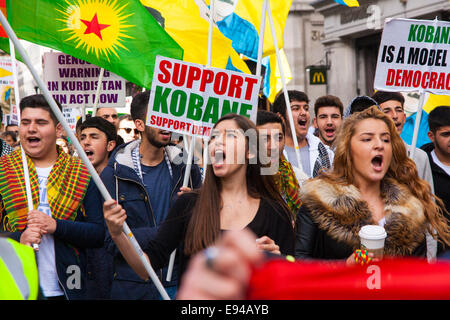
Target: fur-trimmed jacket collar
[341, 212]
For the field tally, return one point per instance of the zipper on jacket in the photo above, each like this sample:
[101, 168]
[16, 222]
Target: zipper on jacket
[148, 200]
[142, 186]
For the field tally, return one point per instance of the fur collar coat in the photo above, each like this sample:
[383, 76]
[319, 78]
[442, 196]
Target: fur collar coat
[340, 212]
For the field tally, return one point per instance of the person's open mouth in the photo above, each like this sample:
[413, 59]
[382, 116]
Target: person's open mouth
[329, 132]
[377, 163]
[33, 141]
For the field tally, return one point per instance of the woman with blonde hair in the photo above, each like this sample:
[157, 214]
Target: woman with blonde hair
[373, 182]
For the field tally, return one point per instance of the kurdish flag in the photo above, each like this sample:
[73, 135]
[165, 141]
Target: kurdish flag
[348, 3]
[4, 40]
[118, 35]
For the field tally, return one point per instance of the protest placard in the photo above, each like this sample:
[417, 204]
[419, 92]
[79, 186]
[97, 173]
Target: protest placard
[189, 98]
[7, 87]
[414, 56]
[73, 83]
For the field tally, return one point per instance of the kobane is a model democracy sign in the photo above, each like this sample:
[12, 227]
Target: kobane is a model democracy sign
[189, 98]
[414, 56]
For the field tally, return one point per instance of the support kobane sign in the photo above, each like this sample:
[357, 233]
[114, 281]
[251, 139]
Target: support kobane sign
[189, 98]
[414, 56]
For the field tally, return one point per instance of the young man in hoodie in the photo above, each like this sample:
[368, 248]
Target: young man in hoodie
[144, 176]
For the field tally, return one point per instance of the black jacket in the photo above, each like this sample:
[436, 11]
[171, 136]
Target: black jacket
[126, 187]
[331, 216]
[441, 181]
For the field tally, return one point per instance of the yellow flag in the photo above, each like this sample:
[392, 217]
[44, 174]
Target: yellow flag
[434, 101]
[250, 10]
[186, 22]
[275, 77]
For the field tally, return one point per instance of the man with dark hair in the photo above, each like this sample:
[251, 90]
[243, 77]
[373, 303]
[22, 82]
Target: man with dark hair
[272, 132]
[12, 127]
[10, 138]
[359, 104]
[98, 138]
[439, 154]
[328, 112]
[144, 176]
[314, 155]
[109, 114]
[68, 217]
[127, 129]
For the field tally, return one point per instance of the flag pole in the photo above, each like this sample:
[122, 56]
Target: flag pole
[81, 153]
[14, 71]
[262, 29]
[26, 174]
[97, 94]
[303, 176]
[208, 64]
[412, 147]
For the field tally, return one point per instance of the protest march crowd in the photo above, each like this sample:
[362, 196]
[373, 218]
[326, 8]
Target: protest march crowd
[359, 174]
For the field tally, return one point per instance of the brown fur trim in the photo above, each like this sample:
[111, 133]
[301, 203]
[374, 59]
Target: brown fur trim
[341, 212]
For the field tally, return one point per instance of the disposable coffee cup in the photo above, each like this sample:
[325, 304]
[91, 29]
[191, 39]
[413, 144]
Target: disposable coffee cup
[372, 239]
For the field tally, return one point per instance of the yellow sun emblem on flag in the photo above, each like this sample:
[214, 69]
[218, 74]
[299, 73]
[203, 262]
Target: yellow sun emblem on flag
[97, 26]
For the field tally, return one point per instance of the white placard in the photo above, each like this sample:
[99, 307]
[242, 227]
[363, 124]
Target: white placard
[189, 98]
[414, 55]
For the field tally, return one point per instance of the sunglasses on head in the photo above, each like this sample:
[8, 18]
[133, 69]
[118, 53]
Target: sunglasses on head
[128, 130]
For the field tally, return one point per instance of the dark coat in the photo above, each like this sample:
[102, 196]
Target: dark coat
[125, 186]
[332, 215]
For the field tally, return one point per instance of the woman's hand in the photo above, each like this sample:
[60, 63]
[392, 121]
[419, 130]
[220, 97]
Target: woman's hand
[267, 244]
[114, 217]
[184, 190]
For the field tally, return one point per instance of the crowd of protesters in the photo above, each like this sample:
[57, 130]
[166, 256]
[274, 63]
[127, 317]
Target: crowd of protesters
[354, 170]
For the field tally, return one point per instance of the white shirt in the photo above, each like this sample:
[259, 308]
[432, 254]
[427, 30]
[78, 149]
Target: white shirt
[48, 277]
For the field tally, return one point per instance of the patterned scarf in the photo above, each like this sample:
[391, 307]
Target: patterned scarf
[66, 186]
[322, 161]
[5, 148]
[289, 186]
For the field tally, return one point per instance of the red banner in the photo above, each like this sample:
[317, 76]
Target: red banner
[389, 279]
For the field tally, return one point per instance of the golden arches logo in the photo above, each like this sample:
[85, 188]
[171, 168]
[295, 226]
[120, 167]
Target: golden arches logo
[318, 77]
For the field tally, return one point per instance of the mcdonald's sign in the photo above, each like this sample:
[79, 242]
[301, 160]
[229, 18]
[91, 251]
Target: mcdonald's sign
[317, 75]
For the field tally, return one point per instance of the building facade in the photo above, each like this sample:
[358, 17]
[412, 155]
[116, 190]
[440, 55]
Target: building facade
[352, 37]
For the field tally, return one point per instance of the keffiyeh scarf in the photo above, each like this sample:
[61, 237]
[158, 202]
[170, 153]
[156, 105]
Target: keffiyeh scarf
[66, 187]
[289, 186]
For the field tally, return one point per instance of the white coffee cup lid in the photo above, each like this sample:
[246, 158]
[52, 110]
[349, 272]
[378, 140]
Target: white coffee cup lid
[372, 232]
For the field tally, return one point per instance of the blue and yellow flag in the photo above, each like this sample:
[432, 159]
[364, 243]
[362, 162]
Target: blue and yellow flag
[187, 22]
[240, 22]
[432, 102]
[348, 3]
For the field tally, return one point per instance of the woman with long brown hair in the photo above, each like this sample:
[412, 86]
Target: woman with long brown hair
[372, 182]
[234, 196]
